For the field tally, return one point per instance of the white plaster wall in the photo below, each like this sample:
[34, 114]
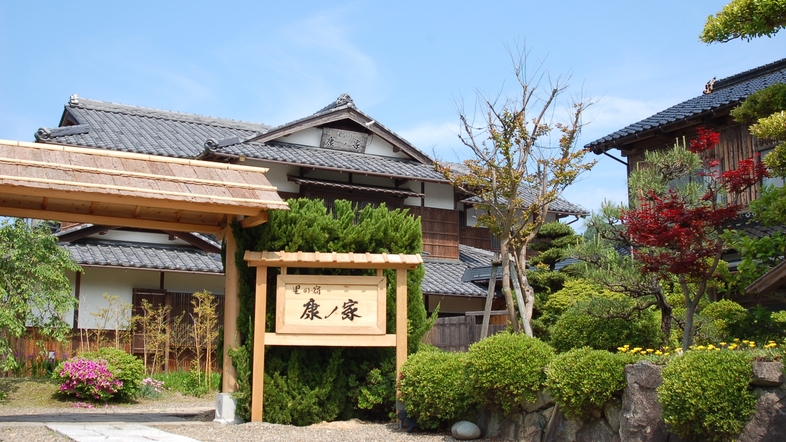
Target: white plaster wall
[96, 281]
[439, 196]
[378, 146]
[277, 175]
[141, 237]
[472, 217]
[307, 137]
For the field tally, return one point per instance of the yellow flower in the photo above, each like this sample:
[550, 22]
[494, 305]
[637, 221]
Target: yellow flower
[636, 350]
[658, 352]
[736, 339]
[711, 347]
[622, 349]
[723, 344]
[649, 350]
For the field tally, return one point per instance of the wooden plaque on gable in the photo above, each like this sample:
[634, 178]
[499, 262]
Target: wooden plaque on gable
[341, 139]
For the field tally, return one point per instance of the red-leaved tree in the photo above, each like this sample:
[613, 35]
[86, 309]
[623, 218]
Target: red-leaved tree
[684, 201]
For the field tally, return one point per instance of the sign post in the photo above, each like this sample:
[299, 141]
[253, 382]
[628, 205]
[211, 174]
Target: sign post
[327, 310]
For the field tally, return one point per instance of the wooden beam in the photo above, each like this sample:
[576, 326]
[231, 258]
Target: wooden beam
[258, 373]
[329, 340]
[231, 311]
[333, 260]
[108, 220]
[253, 221]
[401, 319]
[135, 196]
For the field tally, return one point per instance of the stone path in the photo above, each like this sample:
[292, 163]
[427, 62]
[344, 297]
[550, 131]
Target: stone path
[111, 426]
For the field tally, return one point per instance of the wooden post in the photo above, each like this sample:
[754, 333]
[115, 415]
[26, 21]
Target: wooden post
[258, 373]
[401, 319]
[484, 329]
[231, 311]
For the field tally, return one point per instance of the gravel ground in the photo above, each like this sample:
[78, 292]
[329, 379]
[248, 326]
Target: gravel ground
[203, 429]
[326, 431]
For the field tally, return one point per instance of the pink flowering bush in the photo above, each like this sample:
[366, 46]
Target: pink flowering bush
[87, 379]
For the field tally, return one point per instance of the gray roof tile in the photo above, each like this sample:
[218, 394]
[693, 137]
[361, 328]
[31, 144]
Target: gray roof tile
[444, 277]
[143, 256]
[730, 90]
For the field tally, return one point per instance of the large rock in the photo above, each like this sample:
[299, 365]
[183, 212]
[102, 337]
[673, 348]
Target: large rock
[597, 431]
[769, 422]
[465, 430]
[767, 374]
[611, 410]
[532, 428]
[543, 400]
[641, 418]
[560, 428]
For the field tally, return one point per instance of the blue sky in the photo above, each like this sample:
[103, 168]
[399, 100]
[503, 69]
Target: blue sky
[404, 63]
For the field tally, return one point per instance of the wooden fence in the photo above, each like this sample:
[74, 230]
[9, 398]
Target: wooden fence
[457, 333]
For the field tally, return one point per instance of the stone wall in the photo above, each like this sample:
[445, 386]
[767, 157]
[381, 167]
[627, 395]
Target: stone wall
[637, 415]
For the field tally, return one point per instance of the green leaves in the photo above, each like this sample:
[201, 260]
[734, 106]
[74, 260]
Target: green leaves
[705, 394]
[745, 19]
[34, 287]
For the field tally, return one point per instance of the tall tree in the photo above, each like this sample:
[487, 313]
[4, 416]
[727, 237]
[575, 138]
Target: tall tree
[517, 169]
[34, 289]
[683, 202]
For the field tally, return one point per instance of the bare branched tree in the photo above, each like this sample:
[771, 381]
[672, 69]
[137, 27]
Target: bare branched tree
[519, 167]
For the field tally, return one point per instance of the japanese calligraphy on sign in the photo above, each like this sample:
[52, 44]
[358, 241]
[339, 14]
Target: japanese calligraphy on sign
[344, 140]
[310, 304]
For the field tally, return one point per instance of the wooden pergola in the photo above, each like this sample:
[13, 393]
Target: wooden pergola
[75, 184]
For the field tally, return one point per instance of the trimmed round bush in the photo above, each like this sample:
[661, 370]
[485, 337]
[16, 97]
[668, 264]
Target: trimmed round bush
[705, 394]
[605, 323]
[506, 371]
[433, 388]
[584, 379]
[125, 367]
[722, 314]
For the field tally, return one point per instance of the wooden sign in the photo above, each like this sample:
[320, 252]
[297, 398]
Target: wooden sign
[344, 140]
[351, 305]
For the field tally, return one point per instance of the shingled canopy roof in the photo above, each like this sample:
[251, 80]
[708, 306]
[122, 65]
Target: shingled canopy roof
[66, 183]
[726, 94]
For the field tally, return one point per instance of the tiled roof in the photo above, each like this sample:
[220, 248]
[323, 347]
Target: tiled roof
[173, 134]
[143, 256]
[335, 159]
[560, 205]
[443, 277]
[726, 92]
[142, 130]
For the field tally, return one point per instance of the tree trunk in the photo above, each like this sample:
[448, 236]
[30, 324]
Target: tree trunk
[529, 292]
[687, 335]
[505, 251]
[665, 312]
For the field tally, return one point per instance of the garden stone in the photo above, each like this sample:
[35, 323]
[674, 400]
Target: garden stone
[548, 413]
[767, 374]
[465, 430]
[542, 401]
[641, 418]
[509, 425]
[532, 427]
[225, 409]
[561, 429]
[611, 410]
[769, 422]
[490, 422]
[596, 431]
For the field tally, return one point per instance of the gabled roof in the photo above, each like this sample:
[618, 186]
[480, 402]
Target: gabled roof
[141, 130]
[726, 93]
[92, 123]
[344, 109]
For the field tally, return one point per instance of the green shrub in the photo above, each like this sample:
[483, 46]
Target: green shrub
[716, 317]
[125, 367]
[761, 103]
[605, 324]
[304, 376]
[506, 370]
[583, 379]
[705, 394]
[434, 388]
[756, 325]
[188, 383]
